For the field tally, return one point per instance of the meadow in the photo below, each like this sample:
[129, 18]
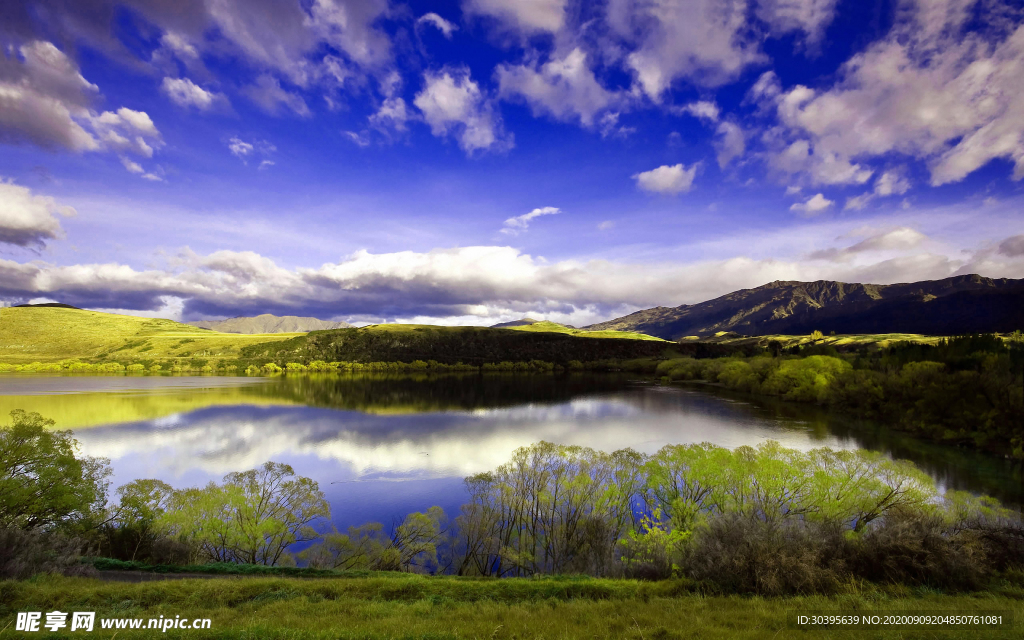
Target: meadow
[405, 606]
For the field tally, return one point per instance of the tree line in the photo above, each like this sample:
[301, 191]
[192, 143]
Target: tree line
[763, 519]
[966, 390]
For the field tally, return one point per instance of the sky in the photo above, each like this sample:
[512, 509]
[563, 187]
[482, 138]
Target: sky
[478, 161]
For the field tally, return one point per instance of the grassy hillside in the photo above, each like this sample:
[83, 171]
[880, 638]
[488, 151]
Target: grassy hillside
[468, 345]
[446, 608]
[553, 327]
[47, 334]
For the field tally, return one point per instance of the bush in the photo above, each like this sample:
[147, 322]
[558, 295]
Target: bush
[737, 554]
[25, 553]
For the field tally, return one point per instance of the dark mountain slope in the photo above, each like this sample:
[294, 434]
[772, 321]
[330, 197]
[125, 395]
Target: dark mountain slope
[960, 304]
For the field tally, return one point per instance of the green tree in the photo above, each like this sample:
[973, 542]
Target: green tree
[134, 519]
[43, 482]
[252, 517]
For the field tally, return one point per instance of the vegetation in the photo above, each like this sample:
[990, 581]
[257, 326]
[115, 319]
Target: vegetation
[46, 335]
[409, 606]
[699, 520]
[553, 327]
[967, 390]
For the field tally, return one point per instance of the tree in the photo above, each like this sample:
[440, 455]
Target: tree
[133, 525]
[252, 518]
[43, 482]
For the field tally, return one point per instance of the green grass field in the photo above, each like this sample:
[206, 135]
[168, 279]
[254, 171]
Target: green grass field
[46, 334]
[407, 606]
[871, 340]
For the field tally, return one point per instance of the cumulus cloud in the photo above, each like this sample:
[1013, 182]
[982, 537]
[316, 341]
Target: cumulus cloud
[442, 25]
[185, 93]
[938, 88]
[564, 88]
[271, 97]
[45, 101]
[666, 179]
[464, 282]
[452, 103]
[707, 42]
[528, 16]
[27, 219]
[518, 224]
[813, 206]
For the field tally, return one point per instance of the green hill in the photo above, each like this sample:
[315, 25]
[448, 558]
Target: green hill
[53, 334]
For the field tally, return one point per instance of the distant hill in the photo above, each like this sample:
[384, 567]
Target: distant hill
[514, 323]
[961, 304]
[267, 323]
[46, 305]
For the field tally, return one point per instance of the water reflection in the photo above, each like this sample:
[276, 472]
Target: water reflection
[383, 446]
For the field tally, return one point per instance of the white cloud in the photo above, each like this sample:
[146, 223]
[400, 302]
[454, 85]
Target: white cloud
[793, 190]
[813, 206]
[131, 166]
[606, 225]
[44, 100]
[667, 179]
[240, 148]
[528, 16]
[809, 16]
[707, 42]
[1013, 247]
[445, 27]
[892, 182]
[702, 109]
[392, 114]
[564, 88]
[349, 26]
[931, 90]
[265, 164]
[481, 281]
[452, 103]
[896, 240]
[26, 219]
[518, 224]
[358, 139]
[730, 142]
[244, 150]
[185, 93]
[268, 94]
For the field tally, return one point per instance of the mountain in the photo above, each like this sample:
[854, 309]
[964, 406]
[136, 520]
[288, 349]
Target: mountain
[515, 323]
[266, 323]
[961, 304]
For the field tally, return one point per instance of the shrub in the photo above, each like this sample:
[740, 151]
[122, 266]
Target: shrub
[25, 553]
[737, 554]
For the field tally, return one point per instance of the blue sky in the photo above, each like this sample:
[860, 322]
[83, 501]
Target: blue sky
[477, 161]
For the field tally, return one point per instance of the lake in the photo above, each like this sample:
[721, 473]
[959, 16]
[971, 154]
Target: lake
[381, 446]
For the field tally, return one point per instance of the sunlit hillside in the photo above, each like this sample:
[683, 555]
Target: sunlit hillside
[47, 334]
[554, 327]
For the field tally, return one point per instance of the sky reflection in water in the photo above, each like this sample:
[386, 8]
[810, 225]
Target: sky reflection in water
[400, 445]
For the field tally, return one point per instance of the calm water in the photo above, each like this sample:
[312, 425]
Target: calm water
[381, 447]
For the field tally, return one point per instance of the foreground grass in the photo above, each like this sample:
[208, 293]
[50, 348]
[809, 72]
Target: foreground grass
[406, 606]
[46, 334]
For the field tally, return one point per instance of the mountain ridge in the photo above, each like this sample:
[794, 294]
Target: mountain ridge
[958, 304]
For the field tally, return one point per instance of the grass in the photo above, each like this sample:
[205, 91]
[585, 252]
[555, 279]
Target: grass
[553, 327]
[410, 606]
[46, 334]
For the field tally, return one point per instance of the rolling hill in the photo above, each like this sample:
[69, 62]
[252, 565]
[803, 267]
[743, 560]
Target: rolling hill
[53, 333]
[961, 304]
[267, 323]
